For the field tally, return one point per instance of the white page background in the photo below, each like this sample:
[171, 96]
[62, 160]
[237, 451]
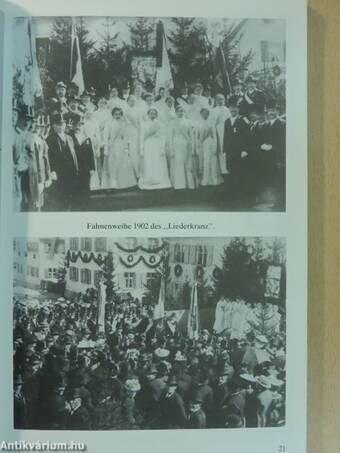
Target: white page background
[292, 225]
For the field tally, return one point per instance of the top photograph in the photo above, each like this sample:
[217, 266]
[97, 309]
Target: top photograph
[149, 114]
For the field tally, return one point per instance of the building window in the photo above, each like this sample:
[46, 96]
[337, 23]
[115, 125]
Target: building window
[130, 280]
[60, 246]
[74, 244]
[34, 271]
[152, 243]
[51, 272]
[85, 275]
[32, 246]
[74, 274]
[97, 276]
[202, 255]
[179, 253]
[15, 266]
[100, 245]
[150, 277]
[86, 244]
[47, 247]
[131, 243]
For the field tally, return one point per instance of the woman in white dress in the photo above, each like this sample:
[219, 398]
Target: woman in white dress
[91, 130]
[120, 172]
[182, 171]
[219, 114]
[115, 100]
[102, 117]
[154, 174]
[133, 129]
[210, 171]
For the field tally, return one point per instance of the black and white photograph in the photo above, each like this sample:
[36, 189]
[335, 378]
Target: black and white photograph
[148, 113]
[149, 333]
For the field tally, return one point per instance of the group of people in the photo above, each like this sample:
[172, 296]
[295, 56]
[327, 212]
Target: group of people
[146, 140]
[139, 373]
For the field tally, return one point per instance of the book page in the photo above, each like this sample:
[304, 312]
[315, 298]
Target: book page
[153, 226]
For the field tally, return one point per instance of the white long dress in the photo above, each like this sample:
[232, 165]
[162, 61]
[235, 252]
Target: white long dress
[133, 130]
[181, 155]
[119, 167]
[210, 169]
[219, 115]
[154, 174]
[103, 117]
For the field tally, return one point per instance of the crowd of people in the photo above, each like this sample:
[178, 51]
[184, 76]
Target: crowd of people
[137, 372]
[146, 140]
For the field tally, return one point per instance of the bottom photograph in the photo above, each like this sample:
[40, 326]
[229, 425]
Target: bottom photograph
[149, 333]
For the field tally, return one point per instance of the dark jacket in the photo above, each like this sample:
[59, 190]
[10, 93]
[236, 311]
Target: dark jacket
[63, 161]
[172, 410]
[79, 420]
[235, 141]
[197, 420]
[256, 99]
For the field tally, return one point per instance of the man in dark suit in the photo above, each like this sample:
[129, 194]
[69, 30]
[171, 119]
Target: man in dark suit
[85, 156]
[20, 406]
[78, 418]
[172, 408]
[252, 98]
[64, 166]
[236, 130]
[197, 418]
[235, 98]
[272, 157]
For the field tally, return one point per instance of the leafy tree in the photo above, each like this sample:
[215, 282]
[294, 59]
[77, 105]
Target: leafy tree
[58, 64]
[109, 278]
[237, 64]
[193, 54]
[189, 53]
[141, 34]
[232, 278]
[109, 60]
[265, 321]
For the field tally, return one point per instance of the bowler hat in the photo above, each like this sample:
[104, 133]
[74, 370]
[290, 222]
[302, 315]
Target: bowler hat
[61, 85]
[58, 118]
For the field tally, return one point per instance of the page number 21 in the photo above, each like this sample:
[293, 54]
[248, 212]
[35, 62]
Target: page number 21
[282, 449]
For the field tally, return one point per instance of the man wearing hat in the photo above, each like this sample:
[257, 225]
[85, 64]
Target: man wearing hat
[235, 98]
[86, 163]
[18, 155]
[58, 104]
[172, 408]
[64, 165]
[20, 406]
[196, 418]
[235, 145]
[273, 155]
[78, 417]
[252, 98]
[23, 159]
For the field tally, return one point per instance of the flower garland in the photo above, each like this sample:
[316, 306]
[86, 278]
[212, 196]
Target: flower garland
[152, 263]
[140, 247]
[84, 257]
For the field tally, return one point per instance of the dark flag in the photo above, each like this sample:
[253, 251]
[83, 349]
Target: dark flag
[221, 74]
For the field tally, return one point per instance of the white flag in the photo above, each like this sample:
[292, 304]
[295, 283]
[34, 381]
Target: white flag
[158, 311]
[163, 74]
[193, 320]
[76, 72]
